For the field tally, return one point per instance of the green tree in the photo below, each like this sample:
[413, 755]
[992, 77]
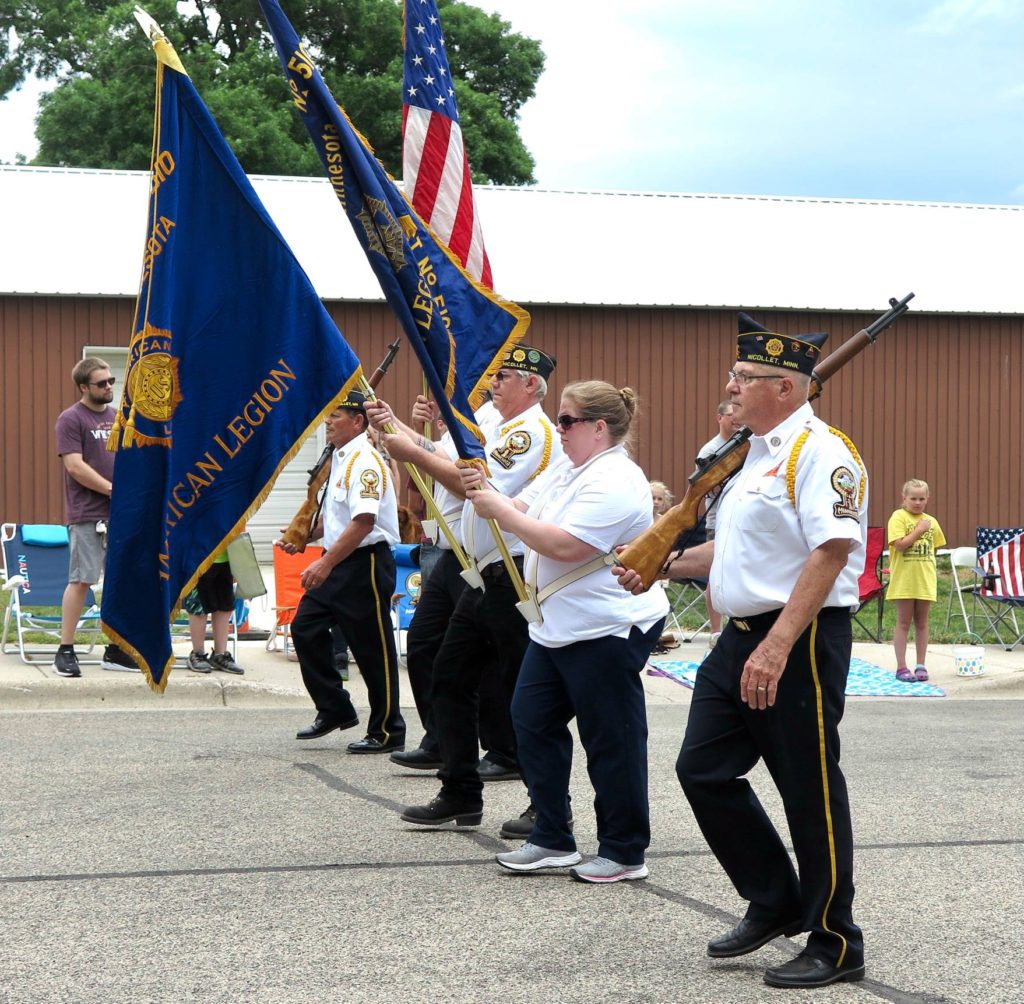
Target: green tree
[100, 112]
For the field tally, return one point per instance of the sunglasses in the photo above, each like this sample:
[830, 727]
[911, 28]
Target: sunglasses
[103, 383]
[567, 421]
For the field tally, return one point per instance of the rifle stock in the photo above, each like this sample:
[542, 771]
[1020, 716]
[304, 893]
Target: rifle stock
[303, 522]
[647, 554]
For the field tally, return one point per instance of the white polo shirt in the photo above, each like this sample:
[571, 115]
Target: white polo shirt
[604, 502]
[451, 505]
[763, 539]
[360, 483]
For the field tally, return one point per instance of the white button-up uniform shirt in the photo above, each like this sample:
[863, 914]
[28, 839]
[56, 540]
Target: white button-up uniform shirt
[449, 505]
[604, 502]
[763, 540]
[517, 451]
[360, 483]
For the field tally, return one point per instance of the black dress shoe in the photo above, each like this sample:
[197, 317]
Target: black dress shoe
[748, 936]
[418, 759]
[322, 725]
[440, 810]
[807, 971]
[491, 771]
[371, 745]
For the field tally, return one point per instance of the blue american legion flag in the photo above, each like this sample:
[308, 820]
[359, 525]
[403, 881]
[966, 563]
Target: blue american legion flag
[233, 361]
[999, 557]
[460, 330]
[435, 167]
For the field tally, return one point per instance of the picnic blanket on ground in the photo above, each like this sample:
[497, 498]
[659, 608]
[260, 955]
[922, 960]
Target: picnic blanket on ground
[865, 679]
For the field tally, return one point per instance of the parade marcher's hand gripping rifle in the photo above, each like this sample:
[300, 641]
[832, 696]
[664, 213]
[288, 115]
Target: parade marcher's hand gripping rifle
[649, 553]
[305, 519]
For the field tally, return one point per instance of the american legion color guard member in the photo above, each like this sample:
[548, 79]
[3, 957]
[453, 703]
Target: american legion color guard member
[586, 655]
[351, 585]
[519, 448]
[788, 550]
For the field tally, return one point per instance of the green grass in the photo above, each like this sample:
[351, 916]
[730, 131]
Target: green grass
[938, 634]
[41, 637]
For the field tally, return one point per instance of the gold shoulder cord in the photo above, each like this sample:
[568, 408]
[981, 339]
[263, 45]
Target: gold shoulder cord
[348, 470]
[795, 455]
[546, 456]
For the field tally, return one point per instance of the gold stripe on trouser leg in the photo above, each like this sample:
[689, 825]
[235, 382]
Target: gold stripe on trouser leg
[825, 791]
[384, 651]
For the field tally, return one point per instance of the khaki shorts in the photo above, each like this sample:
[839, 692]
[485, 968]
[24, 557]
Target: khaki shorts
[88, 552]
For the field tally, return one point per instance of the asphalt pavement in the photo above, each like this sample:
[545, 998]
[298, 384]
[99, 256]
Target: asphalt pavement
[185, 847]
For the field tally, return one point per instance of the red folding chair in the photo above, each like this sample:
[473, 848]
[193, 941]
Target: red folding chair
[872, 588]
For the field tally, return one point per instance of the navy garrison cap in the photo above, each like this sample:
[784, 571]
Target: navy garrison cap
[529, 359]
[356, 400]
[756, 344]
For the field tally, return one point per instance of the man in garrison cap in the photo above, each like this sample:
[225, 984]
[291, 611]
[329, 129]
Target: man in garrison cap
[788, 550]
[351, 585]
[466, 687]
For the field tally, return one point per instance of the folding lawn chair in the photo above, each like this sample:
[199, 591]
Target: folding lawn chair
[872, 588]
[288, 591]
[35, 573]
[407, 589]
[1001, 592]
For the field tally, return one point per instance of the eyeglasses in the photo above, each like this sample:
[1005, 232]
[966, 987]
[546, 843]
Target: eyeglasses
[502, 375]
[743, 379]
[567, 421]
[103, 383]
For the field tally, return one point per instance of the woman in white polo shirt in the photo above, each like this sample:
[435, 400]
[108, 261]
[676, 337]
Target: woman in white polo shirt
[586, 655]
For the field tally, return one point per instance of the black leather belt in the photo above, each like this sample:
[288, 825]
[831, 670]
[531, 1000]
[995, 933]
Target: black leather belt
[762, 622]
[756, 622]
[497, 569]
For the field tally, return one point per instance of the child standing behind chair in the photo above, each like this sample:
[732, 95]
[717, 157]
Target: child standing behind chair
[913, 536]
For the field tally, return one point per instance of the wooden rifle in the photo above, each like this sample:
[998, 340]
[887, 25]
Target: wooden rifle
[649, 554]
[302, 525]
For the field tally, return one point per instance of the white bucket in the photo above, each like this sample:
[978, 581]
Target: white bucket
[969, 659]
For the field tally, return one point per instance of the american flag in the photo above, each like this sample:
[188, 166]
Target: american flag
[434, 161]
[999, 557]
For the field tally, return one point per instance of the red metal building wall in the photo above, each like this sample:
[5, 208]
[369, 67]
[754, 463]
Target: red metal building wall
[937, 397]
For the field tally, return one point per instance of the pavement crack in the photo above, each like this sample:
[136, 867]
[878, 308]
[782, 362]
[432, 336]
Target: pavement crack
[483, 840]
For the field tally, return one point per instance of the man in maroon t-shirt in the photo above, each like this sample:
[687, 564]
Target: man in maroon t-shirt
[82, 433]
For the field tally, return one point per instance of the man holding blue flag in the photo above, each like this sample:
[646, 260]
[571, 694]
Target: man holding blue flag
[232, 363]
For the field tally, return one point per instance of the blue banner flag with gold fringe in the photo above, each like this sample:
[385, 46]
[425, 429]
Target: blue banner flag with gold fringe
[233, 361]
[460, 330]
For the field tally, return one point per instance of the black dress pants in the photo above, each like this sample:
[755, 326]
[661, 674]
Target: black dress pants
[357, 597]
[475, 674]
[434, 610]
[798, 739]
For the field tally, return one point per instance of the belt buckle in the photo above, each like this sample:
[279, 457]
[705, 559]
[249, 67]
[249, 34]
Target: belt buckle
[740, 624]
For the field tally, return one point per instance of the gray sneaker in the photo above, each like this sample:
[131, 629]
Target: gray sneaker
[530, 857]
[224, 662]
[199, 663]
[605, 870]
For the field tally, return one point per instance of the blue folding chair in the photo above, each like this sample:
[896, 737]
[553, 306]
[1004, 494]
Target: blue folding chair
[35, 574]
[407, 589]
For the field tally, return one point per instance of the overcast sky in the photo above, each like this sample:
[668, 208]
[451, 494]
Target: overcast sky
[877, 99]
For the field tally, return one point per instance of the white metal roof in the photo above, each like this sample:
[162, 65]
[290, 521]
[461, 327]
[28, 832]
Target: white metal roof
[79, 232]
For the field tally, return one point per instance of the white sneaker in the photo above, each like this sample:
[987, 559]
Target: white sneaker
[530, 858]
[606, 870]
